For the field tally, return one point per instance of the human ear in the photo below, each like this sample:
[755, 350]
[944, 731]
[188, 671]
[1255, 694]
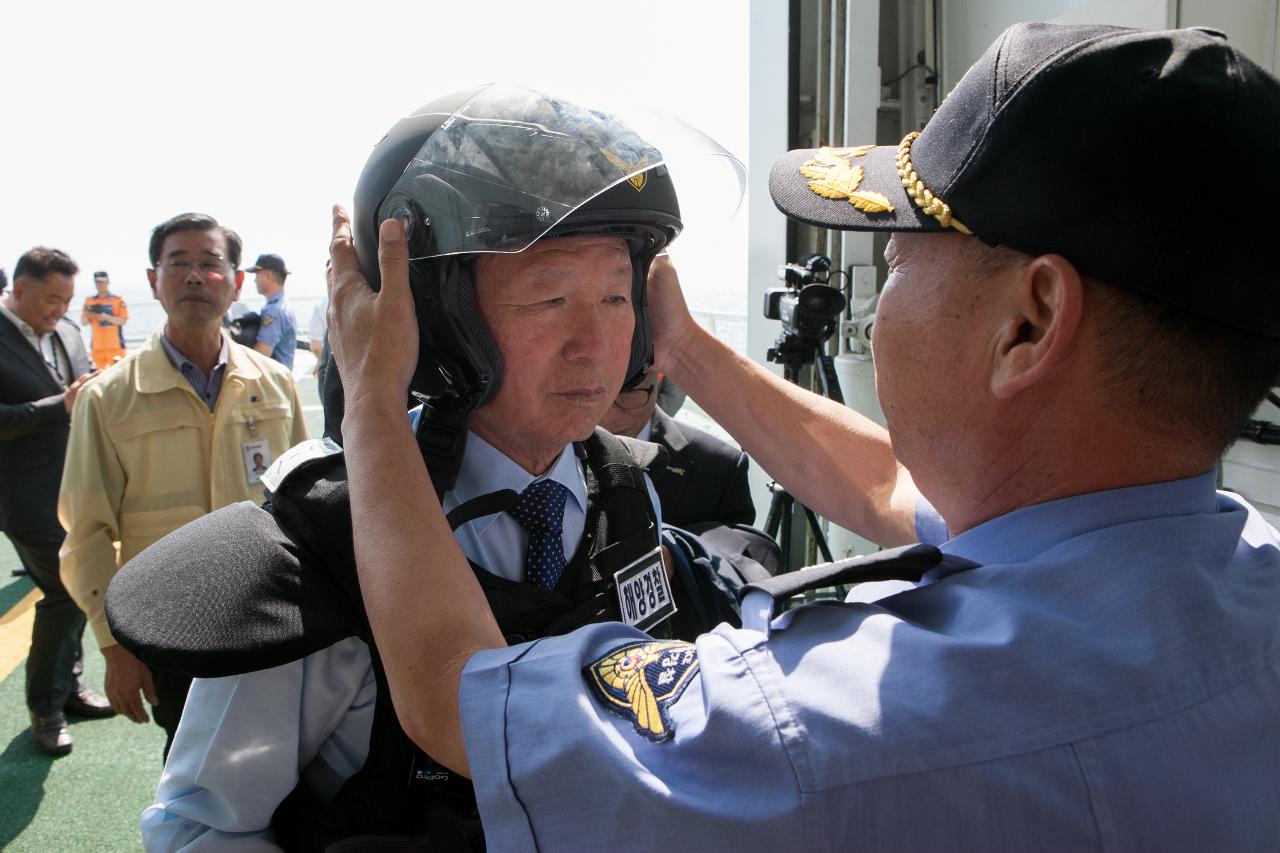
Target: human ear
[1040, 332]
[151, 277]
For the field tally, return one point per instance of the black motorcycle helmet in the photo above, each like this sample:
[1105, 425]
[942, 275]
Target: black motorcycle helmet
[496, 169]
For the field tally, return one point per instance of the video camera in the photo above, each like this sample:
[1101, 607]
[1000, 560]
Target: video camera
[810, 310]
[808, 306]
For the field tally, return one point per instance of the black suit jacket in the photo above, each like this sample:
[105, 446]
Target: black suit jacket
[33, 427]
[705, 479]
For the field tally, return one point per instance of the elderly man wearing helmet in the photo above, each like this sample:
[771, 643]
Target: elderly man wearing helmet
[532, 224]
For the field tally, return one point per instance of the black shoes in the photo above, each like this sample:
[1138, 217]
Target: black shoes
[85, 703]
[51, 732]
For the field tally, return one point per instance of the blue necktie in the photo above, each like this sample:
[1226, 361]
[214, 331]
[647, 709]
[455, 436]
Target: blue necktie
[541, 514]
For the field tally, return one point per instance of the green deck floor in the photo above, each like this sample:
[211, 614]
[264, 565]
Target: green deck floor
[88, 800]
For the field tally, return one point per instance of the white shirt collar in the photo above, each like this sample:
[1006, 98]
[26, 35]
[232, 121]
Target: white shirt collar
[23, 326]
[60, 369]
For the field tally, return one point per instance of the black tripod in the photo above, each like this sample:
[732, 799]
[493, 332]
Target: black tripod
[793, 352]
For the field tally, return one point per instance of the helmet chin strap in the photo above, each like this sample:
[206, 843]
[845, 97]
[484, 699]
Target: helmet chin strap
[442, 438]
[642, 337]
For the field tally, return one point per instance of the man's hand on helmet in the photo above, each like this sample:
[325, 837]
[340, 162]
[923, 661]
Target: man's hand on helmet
[374, 336]
[669, 318]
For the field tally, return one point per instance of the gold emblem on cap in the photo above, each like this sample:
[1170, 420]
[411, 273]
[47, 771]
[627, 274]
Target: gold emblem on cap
[920, 194]
[637, 181]
[833, 176]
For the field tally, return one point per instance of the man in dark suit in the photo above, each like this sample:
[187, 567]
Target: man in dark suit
[705, 481]
[43, 363]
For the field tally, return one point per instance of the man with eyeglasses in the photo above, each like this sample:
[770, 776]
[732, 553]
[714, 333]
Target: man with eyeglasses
[178, 429]
[705, 479]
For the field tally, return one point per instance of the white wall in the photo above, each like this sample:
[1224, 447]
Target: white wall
[969, 26]
[862, 98]
[1253, 26]
[766, 227]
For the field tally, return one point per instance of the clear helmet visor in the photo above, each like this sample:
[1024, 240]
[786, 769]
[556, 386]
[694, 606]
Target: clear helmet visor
[511, 164]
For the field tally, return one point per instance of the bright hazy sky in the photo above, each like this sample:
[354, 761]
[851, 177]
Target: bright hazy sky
[117, 116]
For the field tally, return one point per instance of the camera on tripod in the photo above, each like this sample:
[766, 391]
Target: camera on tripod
[808, 306]
[810, 310]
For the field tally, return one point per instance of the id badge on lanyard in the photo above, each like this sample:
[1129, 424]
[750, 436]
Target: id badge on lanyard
[257, 454]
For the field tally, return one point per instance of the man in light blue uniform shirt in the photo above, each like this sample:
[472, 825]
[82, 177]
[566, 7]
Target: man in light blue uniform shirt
[970, 712]
[277, 327]
[1065, 346]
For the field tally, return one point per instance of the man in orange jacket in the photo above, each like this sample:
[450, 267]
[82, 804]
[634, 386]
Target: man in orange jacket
[106, 315]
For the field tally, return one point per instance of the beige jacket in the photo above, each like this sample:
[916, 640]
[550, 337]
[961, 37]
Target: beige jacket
[146, 456]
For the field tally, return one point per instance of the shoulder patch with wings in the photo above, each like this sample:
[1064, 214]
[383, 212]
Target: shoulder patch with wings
[639, 681]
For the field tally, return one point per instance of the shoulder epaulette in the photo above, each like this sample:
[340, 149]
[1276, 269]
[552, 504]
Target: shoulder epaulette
[907, 563]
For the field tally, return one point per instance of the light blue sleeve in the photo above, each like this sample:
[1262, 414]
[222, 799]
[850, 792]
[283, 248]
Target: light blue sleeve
[271, 333]
[244, 740]
[700, 767]
[318, 323]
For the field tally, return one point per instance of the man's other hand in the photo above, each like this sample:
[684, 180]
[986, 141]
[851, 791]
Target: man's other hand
[69, 398]
[126, 682]
[669, 316]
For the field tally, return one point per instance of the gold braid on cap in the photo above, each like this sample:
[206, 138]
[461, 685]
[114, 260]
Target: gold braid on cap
[924, 199]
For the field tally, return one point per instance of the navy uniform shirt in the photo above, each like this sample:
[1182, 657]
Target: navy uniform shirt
[279, 329]
[1107, 678]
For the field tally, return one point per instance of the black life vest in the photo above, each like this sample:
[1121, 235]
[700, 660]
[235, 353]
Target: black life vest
[401, 795]
[286, 587]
